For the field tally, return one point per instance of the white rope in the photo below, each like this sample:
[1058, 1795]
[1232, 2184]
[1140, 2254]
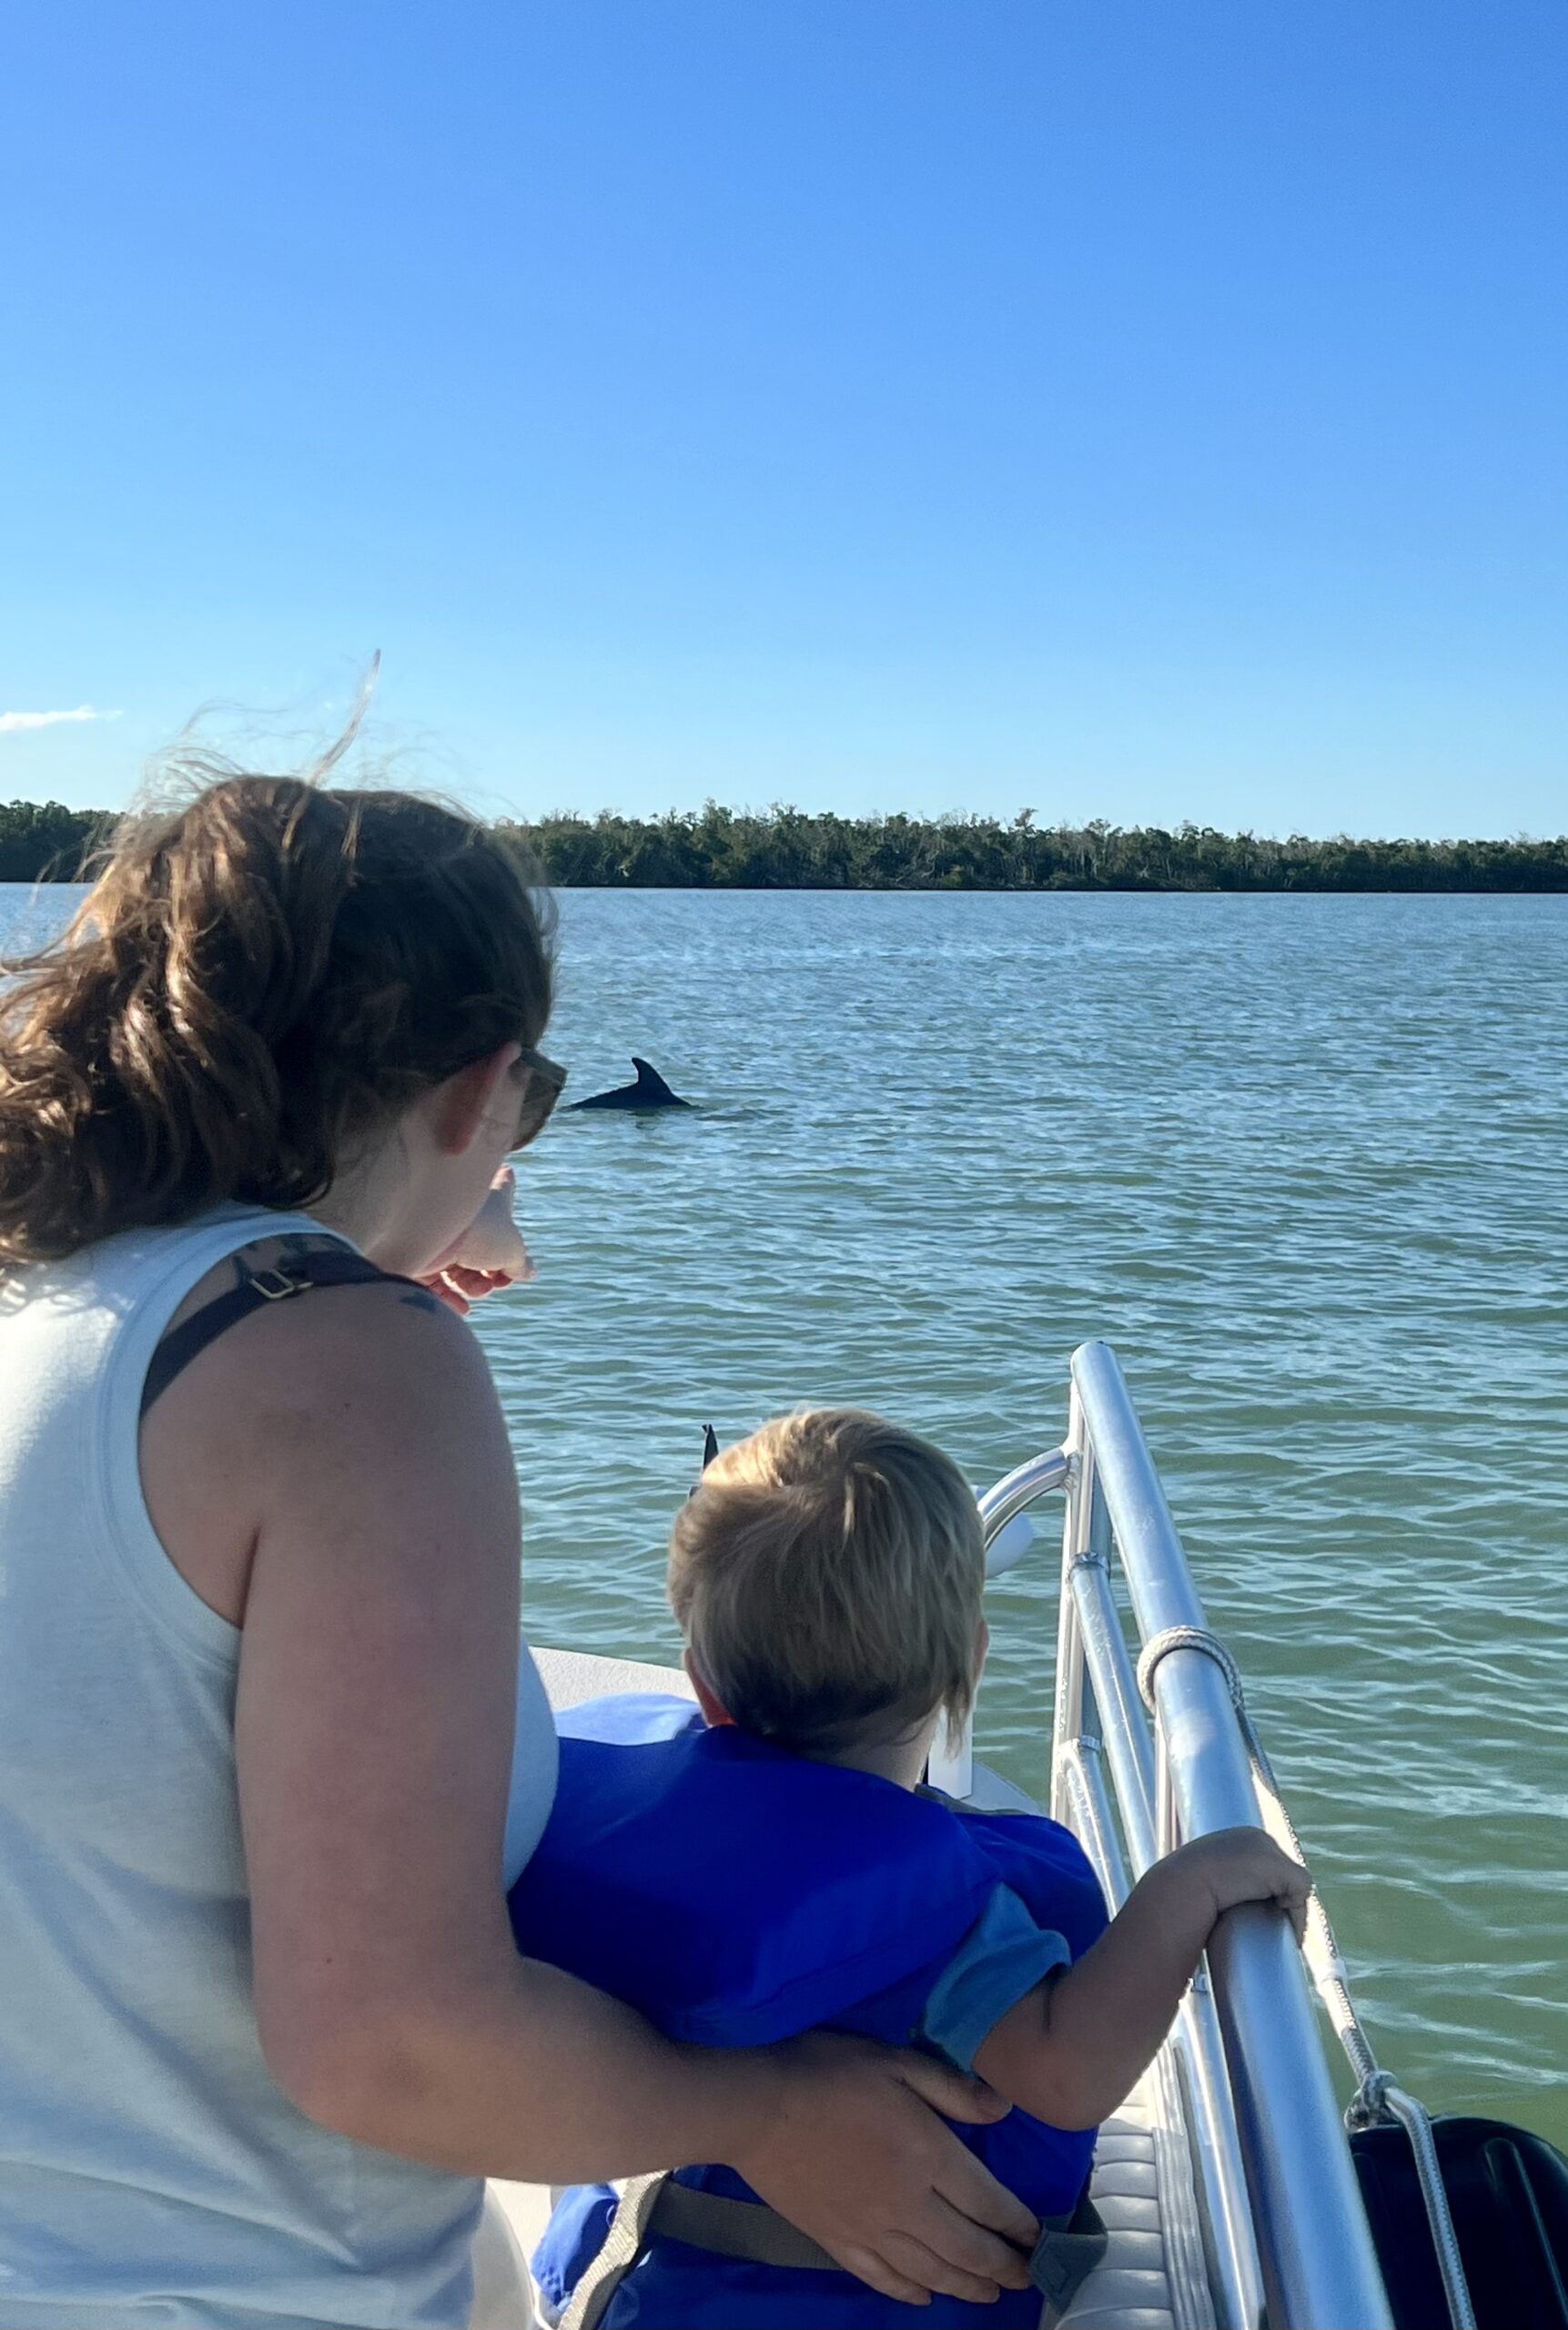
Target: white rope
[1377, 2098]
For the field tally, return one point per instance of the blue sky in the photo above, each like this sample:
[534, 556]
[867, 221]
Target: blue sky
[1142, 409]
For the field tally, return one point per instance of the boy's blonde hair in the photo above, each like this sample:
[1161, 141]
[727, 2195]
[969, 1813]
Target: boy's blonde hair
[827, 1575]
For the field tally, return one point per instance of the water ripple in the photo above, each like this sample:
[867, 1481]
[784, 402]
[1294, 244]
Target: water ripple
[1301, 1160]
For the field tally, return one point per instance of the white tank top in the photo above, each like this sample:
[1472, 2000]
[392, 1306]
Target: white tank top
[151, 2172]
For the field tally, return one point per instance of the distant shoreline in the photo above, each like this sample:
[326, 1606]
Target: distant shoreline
[784, 849]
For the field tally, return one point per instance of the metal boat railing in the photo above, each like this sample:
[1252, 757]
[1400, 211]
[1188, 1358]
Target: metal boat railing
[1283, 2223]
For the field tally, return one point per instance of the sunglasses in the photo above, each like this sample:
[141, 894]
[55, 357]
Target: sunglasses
[540, 1095]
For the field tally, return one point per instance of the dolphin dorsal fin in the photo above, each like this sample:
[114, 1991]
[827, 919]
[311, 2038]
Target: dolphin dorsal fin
[648, 1081]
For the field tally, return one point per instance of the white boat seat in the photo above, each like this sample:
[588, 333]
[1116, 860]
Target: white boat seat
[569, 1676]
[1130, 2289]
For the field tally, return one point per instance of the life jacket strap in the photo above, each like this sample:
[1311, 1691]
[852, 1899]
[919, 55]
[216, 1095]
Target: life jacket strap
[1070, 2246]
[745, 2229]
[624, 2245]
[1065, 2254]
[657, 2205]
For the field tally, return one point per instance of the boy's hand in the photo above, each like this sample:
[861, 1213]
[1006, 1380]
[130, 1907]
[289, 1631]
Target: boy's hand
[1237, 1865]
[1071, 2049]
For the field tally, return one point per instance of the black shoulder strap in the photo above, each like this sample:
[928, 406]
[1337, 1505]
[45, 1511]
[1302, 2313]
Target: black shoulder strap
[336, 1267]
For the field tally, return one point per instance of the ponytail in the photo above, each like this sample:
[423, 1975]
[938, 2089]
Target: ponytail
[254, 982]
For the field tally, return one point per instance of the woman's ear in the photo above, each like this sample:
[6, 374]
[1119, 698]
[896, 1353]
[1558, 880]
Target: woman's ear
[715, 1714]
[476, 1099]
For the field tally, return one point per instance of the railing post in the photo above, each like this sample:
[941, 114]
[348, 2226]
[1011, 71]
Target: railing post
[1319, 2270]
[952, 1762]
[1068, 1719]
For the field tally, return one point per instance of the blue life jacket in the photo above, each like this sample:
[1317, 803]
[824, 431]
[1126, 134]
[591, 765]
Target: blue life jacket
[737, 1894]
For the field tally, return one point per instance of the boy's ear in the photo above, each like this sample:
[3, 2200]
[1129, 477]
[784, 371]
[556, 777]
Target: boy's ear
[714, 1712]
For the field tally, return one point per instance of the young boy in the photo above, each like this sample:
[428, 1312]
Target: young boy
[767, 1863]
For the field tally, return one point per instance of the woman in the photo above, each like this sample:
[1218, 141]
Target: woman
[262, 2027]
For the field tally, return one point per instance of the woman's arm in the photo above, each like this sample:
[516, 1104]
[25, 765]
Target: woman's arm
[374, 1717]
[1074, 2047]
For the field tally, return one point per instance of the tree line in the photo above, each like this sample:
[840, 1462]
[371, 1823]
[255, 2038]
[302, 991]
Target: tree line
[43, 841]
[785, 849]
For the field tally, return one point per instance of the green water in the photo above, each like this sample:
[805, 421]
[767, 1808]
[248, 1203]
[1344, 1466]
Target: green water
[1303, 1161]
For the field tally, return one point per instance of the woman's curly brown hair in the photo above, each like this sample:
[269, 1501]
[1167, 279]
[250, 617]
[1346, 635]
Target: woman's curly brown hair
[255, 980]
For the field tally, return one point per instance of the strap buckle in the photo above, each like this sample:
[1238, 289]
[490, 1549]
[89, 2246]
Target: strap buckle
[276, 1285]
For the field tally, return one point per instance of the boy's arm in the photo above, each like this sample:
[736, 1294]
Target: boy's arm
[1072, 2049]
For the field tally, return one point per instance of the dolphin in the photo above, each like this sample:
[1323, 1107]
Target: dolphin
[709, 1450]
[650, 1091]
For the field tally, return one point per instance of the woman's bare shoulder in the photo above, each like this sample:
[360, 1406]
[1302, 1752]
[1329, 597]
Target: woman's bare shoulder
[339, 1399]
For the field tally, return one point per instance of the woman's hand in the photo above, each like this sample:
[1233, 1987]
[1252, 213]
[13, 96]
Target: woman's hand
[853, 2154]
[489, 1255]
